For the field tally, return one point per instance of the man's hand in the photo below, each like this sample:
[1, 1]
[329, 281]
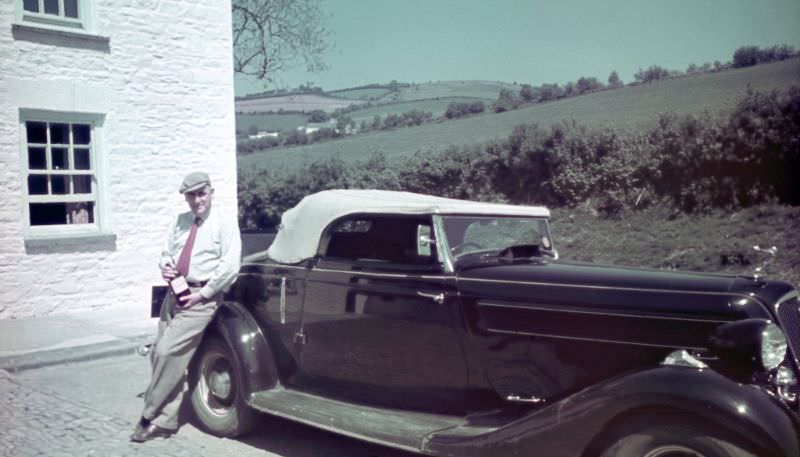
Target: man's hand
[168, 272]
[191, 300]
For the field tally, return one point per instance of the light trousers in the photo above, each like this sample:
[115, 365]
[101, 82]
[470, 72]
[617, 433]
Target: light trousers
[180, 331]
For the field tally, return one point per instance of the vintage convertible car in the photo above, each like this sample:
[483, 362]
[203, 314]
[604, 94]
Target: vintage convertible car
[450, 328]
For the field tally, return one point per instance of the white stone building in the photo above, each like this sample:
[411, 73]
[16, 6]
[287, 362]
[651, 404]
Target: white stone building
[104, 106]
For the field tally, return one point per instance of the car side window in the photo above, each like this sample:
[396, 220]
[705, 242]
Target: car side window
[379, 239]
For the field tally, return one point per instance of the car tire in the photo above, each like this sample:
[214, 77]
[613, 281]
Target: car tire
[217, 399]
[671, 438]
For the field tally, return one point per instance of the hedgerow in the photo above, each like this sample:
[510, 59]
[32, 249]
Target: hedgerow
[691, 163]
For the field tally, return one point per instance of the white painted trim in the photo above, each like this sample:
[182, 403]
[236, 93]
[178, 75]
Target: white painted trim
[82, 25]
[96, 159]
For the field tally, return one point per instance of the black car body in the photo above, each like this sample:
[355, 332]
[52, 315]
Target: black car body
[451, 328]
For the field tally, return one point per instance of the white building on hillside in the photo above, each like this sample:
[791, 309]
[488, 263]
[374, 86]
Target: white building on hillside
[104, 106]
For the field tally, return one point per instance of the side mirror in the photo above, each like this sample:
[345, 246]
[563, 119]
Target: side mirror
[424, 241]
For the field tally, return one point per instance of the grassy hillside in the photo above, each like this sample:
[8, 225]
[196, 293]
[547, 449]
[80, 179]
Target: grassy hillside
[295, 102]
[425, 91]
[630, 107]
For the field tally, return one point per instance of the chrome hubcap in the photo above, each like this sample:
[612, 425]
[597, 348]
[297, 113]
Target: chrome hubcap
[673, 451]
[216, 383]
[220, 384]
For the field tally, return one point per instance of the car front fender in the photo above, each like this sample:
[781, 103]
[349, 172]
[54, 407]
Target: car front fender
[250, 348]
[574, 424]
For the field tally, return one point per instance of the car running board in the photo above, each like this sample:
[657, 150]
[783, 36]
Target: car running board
[400, 429]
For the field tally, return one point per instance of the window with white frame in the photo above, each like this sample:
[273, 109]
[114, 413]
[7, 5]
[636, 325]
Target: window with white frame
[60, 13]
[61, 172]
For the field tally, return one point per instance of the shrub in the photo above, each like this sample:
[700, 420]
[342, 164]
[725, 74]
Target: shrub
[461, 109]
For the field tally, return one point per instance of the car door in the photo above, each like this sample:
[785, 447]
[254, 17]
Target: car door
[274, 295]
[378, 318]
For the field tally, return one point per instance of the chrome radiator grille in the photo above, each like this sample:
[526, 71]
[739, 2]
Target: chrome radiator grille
[788, 312]
[789, 318]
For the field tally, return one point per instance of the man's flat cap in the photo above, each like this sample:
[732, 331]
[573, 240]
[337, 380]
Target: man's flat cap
[194, 181]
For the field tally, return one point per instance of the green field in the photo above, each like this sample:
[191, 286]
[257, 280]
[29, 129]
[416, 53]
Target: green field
[436, 107]
[270, 122]
[425, 91]
[472, 89]
[361, 94]
[632, 107]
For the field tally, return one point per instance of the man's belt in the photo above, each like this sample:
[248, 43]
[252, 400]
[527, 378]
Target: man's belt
[196, 283]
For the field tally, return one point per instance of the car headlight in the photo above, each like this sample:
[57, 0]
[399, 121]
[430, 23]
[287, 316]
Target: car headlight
[749, 345]
[773, 346]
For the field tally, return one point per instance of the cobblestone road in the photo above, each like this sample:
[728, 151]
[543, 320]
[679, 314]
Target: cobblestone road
[36, 422]
[89, 409]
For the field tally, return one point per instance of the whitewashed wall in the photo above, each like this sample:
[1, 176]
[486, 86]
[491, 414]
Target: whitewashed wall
[164, 81]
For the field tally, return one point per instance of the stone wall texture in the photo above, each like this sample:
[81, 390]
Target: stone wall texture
[161, 74]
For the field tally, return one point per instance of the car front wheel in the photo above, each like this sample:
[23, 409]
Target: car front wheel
[217, 398]
[671, 438]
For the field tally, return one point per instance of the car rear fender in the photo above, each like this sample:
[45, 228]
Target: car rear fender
[249, 346]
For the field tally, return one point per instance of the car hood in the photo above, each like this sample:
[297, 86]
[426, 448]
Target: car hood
[622, 289]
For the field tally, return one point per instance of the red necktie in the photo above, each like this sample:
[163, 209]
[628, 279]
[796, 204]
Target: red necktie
[186, 254]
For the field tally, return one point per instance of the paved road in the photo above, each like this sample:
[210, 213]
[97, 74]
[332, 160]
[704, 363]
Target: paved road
[89, 409]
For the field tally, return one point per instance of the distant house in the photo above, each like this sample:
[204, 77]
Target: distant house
[312, 127]
[307, 129]
[259, 135]
[104, 106]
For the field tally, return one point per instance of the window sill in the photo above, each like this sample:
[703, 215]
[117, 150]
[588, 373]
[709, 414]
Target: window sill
[50, 30]
[70, 243]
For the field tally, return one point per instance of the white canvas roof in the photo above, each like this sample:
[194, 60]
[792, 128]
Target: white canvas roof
[301, 227]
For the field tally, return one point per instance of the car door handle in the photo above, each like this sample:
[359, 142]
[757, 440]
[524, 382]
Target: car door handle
[438, 298]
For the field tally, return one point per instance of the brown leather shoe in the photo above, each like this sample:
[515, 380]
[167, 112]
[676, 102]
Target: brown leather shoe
[145, 433]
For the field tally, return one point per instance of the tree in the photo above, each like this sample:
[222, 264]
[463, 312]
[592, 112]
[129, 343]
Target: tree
[318, 116]
[746, 56]
[654, 73]
[586, 85]
[527, 93]
[270, 36]
[613, 80]
[549, 92]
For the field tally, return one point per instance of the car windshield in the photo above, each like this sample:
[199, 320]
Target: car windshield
[489, 238]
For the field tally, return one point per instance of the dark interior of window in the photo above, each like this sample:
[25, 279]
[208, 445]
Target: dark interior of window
[62, 213]
[378, 238]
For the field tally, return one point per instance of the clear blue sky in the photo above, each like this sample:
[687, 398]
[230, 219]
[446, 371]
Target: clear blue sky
[535, 41]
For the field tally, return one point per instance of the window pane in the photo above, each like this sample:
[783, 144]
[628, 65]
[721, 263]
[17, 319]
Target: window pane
[31, 5]
[48, 213]
[51, 6]
[37, 132]
[59, 134]
[37, 158]
[62, 213]
[59, 158]
[71, 8]
[81, 133]
[82, 161]
[58, 185]
[37, 184]
[82, 184]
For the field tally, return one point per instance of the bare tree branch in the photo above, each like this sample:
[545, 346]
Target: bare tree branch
[274, 35]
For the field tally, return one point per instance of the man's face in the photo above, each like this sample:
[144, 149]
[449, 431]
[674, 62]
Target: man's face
[199, 200]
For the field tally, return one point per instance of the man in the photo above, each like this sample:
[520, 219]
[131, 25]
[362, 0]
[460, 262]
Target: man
[205, 249]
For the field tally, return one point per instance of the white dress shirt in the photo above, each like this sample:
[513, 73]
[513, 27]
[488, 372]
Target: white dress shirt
[216, 254]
